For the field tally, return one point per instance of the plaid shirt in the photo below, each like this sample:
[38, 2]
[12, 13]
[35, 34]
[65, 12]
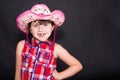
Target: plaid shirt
[38, 61]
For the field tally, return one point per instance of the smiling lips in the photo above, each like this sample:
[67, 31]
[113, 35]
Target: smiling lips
[41, 34]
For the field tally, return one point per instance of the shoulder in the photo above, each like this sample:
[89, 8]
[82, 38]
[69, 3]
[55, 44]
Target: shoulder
[20, 46]
[59, 49]
[21, 43]
[58, 46]
[56, 49]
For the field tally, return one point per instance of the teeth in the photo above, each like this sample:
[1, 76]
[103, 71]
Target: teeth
[41, 35]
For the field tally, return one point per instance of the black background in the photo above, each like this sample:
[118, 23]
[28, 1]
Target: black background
[91, 33]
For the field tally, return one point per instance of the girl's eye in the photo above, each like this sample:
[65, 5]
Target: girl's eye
[45, 24]
[35, 25]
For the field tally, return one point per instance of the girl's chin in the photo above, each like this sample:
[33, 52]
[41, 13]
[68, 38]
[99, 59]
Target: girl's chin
[43, 40]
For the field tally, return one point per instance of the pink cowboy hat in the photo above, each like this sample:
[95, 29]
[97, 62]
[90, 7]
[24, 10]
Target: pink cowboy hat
[39, 12]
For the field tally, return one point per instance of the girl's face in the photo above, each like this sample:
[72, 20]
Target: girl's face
[41, 30]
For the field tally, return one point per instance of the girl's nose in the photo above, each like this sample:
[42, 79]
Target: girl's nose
[40, 28]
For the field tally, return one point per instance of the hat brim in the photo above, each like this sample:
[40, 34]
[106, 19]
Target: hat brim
[28, 16]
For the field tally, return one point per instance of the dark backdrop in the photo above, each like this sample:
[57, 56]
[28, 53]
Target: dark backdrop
[91, 33]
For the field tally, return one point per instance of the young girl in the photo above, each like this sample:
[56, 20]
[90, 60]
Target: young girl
[36, 56]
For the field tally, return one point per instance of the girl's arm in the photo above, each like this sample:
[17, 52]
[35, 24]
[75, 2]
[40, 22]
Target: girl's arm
[74, 65]
[18, 60]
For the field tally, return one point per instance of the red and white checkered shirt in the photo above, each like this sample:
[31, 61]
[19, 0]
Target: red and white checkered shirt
[38, 61]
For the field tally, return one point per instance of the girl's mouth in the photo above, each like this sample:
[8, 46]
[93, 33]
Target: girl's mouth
[41, 34]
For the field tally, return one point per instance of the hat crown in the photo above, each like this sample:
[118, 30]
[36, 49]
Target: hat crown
[40, 9]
